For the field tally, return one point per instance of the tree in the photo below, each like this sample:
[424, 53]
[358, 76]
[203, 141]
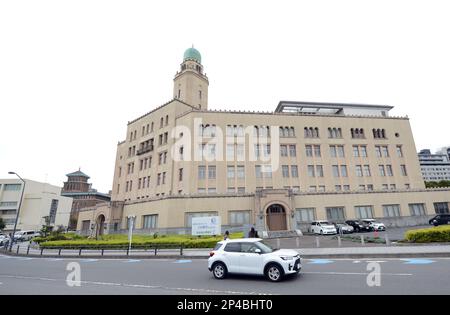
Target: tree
[2, 224]
[440, 184]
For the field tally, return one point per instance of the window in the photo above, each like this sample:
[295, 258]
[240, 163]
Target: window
[191, 215]
[180, 174]
[240, 171]
[258, 171]
[441, 207]
[230, 152]
[285, 170]
[391, 210]
[317, 152]
[150, 221]
[364, 212]
[378, 150]
[384, 186]
[399, 151]
[305, 214]
[312, 188]
[319, 170]
[211, 172]
[363, 149]
[379, 133]
[340, 151]
[241, 190]
[362, 187]
[239, 217]
[201, 190]
[335, 169]
[294, 171]
[240, 152]
[344, 171]
[346, 187]
[334, 133]
[335, 213]
[211, 190]
[370, 187]
[292, 151]
[417, 209]
[233, 248]
[355, 151]
[308, 150]
[385, 151]
[338, 187]
[164, 177]
[321, 188]
[201, 172]
[367, 170]
[230, 172]
[403, 170]
[389, 170]
[359, 172]
[12, 187]
[381, 170]
[311, 171]
[267, 171]
[357, 133]
[333, 152]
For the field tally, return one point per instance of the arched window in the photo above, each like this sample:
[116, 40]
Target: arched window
[316, 132]
[255, 131]
[352, 132]
[339, 133]
[383, 135]
[306, 132]
[330, 133]
[281, 132]
[291, 132]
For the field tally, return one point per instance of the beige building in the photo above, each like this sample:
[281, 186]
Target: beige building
[275, 170]
[41, 202]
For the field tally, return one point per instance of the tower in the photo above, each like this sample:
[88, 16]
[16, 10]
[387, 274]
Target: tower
[190, 83]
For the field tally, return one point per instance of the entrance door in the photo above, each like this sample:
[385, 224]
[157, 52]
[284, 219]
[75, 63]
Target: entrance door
[276, 218]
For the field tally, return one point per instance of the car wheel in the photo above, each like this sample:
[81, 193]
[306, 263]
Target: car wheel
[219, 271]
[274, 273]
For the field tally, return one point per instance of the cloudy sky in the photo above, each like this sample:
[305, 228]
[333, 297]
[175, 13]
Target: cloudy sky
[73, 73]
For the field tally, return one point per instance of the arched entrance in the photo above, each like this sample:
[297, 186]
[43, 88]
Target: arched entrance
[276, 218]
[100, 225]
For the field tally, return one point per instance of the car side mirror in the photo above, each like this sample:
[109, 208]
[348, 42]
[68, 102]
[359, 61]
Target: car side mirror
[257, 251]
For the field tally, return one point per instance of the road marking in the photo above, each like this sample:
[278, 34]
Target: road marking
[376, 261]
[356, 273]
[25, 258]
[144, 286]
[418, 261]
[320, 261]
[89, 260]
[131, 261]
[182, 261]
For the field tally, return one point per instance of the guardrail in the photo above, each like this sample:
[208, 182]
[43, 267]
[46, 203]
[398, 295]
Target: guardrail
[79, 250]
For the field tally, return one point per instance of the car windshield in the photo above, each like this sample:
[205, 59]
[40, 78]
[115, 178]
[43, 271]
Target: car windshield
[265, 248]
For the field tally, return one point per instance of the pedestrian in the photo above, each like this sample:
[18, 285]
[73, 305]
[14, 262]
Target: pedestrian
[252, 233]
[226, 236]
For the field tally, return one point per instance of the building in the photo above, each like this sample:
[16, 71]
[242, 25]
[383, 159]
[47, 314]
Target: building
[434, 167]
[42, 204]
[84, 196]
[275, 170]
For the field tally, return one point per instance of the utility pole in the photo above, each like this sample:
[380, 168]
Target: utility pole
[18, 210]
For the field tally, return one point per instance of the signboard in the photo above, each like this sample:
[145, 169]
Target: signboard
[206, 226]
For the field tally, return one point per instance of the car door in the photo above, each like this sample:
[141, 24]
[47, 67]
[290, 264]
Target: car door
[231, 256]
[251, 262]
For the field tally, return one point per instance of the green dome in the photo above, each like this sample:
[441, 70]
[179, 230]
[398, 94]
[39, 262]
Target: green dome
[192, 54]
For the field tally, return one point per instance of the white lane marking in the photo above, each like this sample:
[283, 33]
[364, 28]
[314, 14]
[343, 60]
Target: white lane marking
[376, 261]
[208, 291]
[131, 261]
[356, 261]
[354, 273]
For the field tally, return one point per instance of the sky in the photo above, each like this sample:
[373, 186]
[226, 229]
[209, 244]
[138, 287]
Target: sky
[73, 73]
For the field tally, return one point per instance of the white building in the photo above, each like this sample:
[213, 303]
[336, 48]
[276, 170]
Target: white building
[434, 167]
[40, 200]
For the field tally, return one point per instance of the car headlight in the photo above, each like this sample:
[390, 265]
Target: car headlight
[287, 257]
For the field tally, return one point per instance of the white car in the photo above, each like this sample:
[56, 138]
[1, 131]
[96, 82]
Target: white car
[323, 228]
[25, 235]
[253, 257]
[3, 239]
[374, 225]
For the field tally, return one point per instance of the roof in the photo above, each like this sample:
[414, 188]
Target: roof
[77, 173]
[334, 108]
[192, 54]
[89, 193]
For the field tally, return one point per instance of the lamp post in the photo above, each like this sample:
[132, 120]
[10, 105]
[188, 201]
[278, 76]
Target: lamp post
[18, 210]
[131, 219]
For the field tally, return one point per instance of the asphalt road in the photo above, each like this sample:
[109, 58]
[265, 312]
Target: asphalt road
[19, 275]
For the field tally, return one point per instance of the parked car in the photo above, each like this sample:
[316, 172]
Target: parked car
[440, 219]
[22, 236]
[322, 227]
[254, 257]
[374, 225]
[343, 228]
[358, 226]
[3, 239]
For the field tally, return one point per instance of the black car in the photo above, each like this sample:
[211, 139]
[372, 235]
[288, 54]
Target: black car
[358, 226]
[440, 219]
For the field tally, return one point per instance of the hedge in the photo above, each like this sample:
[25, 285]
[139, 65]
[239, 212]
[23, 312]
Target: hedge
[434, 234]
[114, 241]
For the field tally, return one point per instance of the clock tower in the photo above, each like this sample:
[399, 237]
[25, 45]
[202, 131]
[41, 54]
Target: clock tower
[190, 83]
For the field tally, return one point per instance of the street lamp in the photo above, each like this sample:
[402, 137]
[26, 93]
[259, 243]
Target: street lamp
[18, 209]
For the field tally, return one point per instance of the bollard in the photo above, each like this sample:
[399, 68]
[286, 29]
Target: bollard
[181, 250]
[278, 243]
[297, 242]
[17, 252]
[128, 251]
[79, 253]
[386, 237]
[103, 250]
[59, 252]
[28, 249]
[156, 249]
[317, 242]
[339, 241]
[42, 250]
[362, 239]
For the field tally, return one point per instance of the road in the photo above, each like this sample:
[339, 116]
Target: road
[21, 275]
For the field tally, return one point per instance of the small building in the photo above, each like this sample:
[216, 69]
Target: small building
[84, 196]
[434, 167]
[42, 204]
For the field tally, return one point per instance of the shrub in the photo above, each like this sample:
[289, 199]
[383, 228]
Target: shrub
[434, 234]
